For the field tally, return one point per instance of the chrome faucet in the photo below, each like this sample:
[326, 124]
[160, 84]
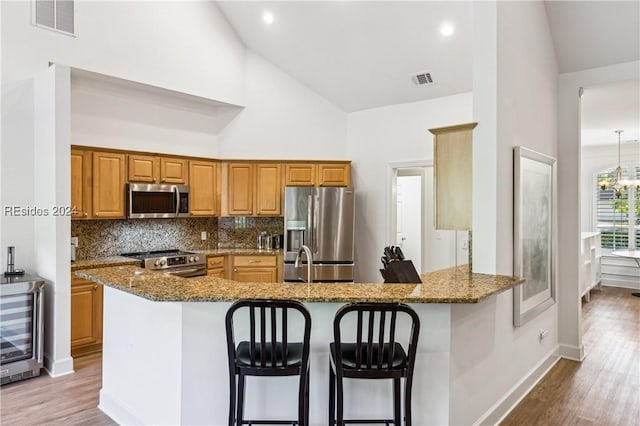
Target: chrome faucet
[307, 251]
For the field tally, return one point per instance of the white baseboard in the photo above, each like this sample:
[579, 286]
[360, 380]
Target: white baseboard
[114, 409]
[59, 367]
[571, 352]
[513, 397]
[623, 284]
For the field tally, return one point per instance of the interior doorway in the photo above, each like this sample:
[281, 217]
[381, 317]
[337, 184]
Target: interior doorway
[411, 222]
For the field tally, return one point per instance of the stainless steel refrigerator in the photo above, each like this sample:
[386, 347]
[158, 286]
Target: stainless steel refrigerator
[323, 220]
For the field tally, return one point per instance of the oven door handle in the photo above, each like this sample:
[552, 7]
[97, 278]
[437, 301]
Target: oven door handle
[180, 272]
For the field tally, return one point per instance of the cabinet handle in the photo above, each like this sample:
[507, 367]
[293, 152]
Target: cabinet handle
[162, 180]
[85, 214]
[254, 261]
[95, 287]
[235, 269]
[97, 213]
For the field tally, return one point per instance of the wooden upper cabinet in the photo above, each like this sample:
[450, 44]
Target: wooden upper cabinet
[239, 189]
[334, 174]
[453, 152]
[108, 185]
[173, 170]
[203, 190]
[80, 184]
[157, 169]
[143, 168]
[268, 189]
[300, 174]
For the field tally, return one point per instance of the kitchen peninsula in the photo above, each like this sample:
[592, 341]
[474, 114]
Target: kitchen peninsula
[165, 361]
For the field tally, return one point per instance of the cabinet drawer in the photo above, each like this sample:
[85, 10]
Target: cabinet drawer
[254, 261]
[216, 272]
[215, 262]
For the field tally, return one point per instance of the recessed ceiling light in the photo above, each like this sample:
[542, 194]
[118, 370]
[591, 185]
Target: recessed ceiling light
[268, 17]
[447, 29]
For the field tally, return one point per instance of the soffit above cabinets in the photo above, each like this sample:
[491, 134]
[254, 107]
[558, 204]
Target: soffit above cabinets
[143, 97]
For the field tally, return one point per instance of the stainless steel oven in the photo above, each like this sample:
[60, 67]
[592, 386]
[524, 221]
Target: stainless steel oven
[21, 327]
[174, 262]
[157, 201]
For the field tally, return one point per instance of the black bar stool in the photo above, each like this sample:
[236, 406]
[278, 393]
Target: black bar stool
[374, 355]
[264, 355]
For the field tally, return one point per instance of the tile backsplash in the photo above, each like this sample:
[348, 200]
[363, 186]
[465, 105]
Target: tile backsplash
[100, 238]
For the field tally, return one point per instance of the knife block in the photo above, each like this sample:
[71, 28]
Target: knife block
[400, 271]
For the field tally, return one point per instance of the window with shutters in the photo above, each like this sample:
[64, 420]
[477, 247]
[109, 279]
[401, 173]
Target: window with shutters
[618, 218]
[56, 15]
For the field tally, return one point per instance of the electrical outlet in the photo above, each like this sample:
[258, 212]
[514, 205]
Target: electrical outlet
[74, 241]
[542, 335]
[203, 235]
[465, 245]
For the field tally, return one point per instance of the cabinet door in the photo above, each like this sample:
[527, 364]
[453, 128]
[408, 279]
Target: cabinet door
[202, 196]
[108, 185]
[86, 317]
[80, 184]
[173, 170]
[452, 166]
[268, 189]
[300, 174]
[334, 174]
[254, 274]
[143, 168]
[240, 188]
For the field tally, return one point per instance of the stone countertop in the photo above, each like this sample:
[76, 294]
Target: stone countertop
[238, 251]
[452, 285]
[103, 262]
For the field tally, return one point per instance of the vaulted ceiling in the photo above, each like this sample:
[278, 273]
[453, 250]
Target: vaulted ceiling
[363, 54]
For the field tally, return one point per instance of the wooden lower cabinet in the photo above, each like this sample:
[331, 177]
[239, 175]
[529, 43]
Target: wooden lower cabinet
[86, 317]
[254, 269]
[216, 266]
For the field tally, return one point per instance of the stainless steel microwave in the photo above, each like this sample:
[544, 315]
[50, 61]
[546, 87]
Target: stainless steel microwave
[157, 201]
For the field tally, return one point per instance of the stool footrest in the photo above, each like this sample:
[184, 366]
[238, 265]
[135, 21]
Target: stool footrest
[270, 422]
[368, 421]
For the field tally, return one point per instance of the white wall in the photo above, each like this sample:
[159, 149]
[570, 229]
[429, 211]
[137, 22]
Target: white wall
[490, 356]
[283, 119]
[380, 136]
[186, 46]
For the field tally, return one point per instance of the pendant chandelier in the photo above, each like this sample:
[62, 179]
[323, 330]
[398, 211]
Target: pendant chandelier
[619, 184]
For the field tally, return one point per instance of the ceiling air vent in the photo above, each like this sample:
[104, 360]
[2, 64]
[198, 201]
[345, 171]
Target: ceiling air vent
[55, 14]
[422, 78]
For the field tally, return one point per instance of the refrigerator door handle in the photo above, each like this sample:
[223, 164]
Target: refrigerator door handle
[310, 225]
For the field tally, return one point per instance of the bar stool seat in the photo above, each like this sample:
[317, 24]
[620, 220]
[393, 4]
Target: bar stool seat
[350, 355]
[268, 352]
[293, 357]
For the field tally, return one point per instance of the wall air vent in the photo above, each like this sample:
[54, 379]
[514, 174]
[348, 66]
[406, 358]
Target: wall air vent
[58, 15]
[422, 78]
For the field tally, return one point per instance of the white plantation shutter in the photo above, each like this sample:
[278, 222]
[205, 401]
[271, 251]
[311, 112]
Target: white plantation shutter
[612, 216]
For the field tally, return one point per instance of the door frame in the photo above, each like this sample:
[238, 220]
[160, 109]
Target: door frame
[391, 201]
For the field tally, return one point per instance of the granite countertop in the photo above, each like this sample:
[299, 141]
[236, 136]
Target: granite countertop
[238, 251]
[452, 285]
[103, 262]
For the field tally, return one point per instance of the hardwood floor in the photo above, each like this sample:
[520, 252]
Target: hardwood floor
[605, 388]
[67, 400]
[602, 390]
